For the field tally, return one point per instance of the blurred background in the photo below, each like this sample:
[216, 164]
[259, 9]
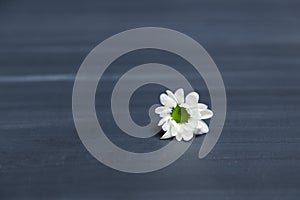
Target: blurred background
[255, 44]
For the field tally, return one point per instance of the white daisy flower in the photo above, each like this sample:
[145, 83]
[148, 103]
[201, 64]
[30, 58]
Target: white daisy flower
[182, 118]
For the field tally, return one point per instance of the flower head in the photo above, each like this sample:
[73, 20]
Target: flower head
[182, 117]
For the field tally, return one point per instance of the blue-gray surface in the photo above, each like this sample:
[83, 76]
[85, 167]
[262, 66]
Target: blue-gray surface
[256, 45]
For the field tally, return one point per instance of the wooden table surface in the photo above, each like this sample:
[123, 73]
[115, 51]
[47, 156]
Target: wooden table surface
[256, 45]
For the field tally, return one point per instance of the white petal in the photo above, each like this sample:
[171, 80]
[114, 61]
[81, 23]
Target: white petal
[167, 135]
[206, 114]
[173, 131]
[164, 115]
[194, 113]
[166, 126]
[171, 95]
[187, 136]
[201, 106]
[199, 125]
[178, 137]
[162, 109]
[186, 127]
[163, 120]
[179, 94]
[192, 99]
[192, 124]
[185, 105]
[198, 132]
[167, 101]
[203, 126]
[174, 124]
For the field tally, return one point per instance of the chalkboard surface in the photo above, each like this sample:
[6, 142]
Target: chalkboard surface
[256, 45]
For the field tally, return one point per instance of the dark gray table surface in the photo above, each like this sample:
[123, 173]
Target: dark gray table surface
[256, 45]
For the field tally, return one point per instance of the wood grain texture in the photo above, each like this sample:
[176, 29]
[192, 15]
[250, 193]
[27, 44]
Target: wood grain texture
[256, 45]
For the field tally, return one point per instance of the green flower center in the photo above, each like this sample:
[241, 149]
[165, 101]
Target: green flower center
[180, 115]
